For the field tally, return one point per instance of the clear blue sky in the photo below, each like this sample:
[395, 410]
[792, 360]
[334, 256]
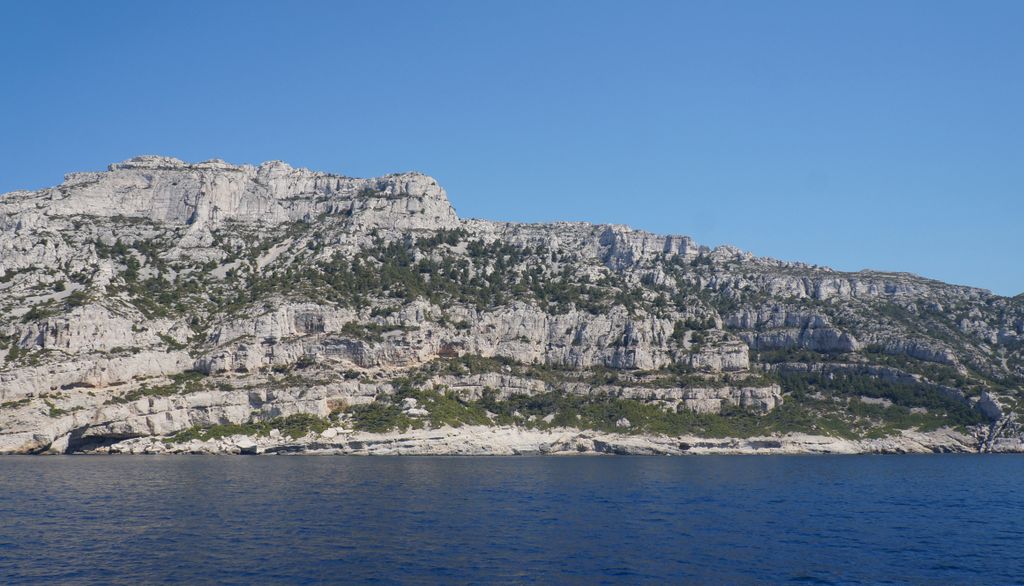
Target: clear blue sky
[867, 134]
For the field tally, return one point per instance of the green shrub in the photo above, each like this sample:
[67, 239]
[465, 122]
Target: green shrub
[379, 417]
[293, 426]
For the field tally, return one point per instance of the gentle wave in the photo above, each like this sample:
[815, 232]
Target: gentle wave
[737, 520]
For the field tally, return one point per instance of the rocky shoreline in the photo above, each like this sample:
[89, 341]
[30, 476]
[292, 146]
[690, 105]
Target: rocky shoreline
[513, 441]
[161, 302]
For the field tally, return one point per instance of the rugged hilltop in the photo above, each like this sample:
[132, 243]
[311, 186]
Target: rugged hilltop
[163, 306]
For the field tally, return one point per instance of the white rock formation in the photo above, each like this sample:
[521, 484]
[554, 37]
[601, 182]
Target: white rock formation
[161, 296]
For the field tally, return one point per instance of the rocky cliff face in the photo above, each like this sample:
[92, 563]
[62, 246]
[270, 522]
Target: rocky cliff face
[162, 299]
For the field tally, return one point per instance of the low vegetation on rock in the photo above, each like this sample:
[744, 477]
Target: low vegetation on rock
[202, 301]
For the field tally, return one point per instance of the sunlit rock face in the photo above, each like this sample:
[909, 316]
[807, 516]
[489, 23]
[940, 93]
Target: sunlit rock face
[160, 296]
[169, 191]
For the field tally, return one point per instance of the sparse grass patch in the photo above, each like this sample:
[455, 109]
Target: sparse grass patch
[15, 404]
[190, 381]
[293, 426]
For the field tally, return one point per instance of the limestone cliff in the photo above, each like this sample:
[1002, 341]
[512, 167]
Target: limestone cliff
[162, 299]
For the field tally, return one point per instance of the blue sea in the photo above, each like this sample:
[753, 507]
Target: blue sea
[939, 519]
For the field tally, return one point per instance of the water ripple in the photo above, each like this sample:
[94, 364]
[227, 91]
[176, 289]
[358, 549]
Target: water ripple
[307, 520]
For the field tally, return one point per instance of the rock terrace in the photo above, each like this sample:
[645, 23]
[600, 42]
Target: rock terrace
[168, 304]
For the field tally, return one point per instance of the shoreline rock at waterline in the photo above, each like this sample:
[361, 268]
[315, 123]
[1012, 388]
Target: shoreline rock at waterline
[511, 441]
[161, 298]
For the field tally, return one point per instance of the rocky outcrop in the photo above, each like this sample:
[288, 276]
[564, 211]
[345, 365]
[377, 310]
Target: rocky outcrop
[919, 349]
[96, 373]
[296, 292]
[513, 441]
[625, 248]
[202, 195]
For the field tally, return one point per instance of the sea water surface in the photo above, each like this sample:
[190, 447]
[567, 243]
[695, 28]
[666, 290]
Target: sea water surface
[939, 519]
